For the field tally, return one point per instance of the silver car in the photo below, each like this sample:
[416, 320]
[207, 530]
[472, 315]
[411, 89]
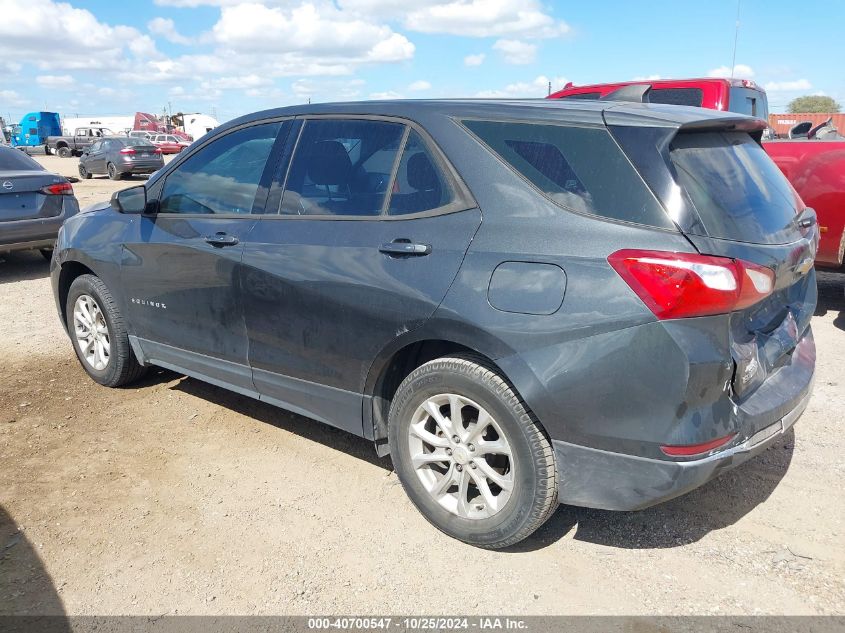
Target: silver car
[33, 203]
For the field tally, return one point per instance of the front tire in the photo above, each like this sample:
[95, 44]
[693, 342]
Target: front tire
[113, 173]
[488, 478]
[99, 334]
[83, 172]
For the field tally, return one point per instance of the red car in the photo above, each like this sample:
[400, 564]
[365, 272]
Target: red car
[815, 166]
[168, 144]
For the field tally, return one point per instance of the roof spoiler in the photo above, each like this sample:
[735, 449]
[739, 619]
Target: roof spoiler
[637, 93]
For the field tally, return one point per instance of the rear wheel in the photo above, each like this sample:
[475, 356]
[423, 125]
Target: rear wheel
[63, 152]
[99, 333]
[114, 174]
[470, 454]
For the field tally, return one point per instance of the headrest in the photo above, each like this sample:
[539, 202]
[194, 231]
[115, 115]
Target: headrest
[329, 163]
[421, 174]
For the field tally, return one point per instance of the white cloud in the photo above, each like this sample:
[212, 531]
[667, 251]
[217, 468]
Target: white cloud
[10, 97]
[419, 86]
[74, 38]
[740, 71]
[516, 52]
[476, 18]
[647, 78]
[327, 90]
[54, 81]
[788, 86]
[535, 89]
[474, 60]
[309, 31]
[166, 28]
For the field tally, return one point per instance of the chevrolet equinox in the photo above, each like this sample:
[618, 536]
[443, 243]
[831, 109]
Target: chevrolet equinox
[523, 303]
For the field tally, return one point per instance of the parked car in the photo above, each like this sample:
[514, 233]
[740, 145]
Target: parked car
[814, 162]
[33, 203]
[522, 303]
[168, 144]
[742, 96]
[74, 145]
[118, 156]
[140, 134]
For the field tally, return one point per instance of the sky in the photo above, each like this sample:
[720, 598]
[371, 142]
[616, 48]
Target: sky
[231, 57]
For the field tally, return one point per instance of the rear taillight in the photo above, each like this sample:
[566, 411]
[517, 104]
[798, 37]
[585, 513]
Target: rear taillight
[678, 285]
[59, 189]
[127, 150]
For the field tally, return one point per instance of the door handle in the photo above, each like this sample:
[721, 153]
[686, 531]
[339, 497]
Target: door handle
[219, 240]
[406, 248]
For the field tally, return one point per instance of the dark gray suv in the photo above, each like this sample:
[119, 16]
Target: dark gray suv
[523, 303]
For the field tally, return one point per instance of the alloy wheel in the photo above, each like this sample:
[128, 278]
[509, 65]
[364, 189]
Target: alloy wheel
[461, 456]
[92, 332]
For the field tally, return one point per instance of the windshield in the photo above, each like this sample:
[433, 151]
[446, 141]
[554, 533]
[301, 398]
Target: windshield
[738, 191]
[16, 160]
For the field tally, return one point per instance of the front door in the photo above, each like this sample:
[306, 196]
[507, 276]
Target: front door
[95, 162]
[180, 265]
[369, 234]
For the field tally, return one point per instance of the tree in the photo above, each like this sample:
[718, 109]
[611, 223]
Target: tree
[813, 103]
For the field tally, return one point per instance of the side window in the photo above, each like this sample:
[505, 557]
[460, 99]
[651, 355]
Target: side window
[419, 185]
[677, 96]
[341, 167]
[579, 168]
[222, 177]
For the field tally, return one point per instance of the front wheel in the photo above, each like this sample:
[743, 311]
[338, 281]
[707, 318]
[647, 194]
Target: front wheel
[99, 333]
[63, 152]
[83, 172]
[469, 453]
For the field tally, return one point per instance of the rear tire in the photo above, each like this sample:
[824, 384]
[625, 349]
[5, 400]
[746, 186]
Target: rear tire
[99, 334]
[113, 173]
[63, 152]
[490, 480]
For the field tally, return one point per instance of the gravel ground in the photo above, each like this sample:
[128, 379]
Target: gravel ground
[174, 496]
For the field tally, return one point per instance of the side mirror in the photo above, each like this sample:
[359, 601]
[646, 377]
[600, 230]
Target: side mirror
[130, 201]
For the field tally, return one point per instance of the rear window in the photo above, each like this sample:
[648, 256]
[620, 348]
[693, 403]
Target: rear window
[748, 101]
[136, 141]
[738, 191]
[677, 96]
[16, 160]
[579, 168]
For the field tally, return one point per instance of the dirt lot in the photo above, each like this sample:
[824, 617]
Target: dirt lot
[177, 497]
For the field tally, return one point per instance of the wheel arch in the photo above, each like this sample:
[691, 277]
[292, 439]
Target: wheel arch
[70, 271]
[405, 354]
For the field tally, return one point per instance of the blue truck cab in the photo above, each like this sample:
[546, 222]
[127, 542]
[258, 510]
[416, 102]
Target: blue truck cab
[34, 129]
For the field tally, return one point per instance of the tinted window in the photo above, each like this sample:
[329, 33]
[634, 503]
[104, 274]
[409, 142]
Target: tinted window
[134, 141]
[579, 168]
[584, 95]
[738, 191]
[419, 185]
[222, 177]
[341, 167]
[677, 96]
[16, 160]
[748, 101]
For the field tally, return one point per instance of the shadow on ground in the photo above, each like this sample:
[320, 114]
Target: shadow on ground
[23, 266]
[304, 427]
[26, 588]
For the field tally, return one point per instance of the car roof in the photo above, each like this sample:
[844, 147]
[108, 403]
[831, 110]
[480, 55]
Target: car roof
[552, 110]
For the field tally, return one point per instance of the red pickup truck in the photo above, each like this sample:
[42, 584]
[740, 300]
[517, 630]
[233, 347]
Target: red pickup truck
[814, 164]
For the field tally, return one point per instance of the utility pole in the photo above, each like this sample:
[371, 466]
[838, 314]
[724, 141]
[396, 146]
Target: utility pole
[736, 37]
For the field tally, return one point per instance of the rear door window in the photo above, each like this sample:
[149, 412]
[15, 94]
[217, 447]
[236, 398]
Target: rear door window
[342, 167]
[420, 185]
[579, 168]
[738, 191]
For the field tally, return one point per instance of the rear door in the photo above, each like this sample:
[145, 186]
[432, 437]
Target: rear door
[366, 239]
[181, 264]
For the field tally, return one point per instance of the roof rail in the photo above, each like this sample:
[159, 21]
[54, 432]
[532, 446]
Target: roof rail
[638, 93]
